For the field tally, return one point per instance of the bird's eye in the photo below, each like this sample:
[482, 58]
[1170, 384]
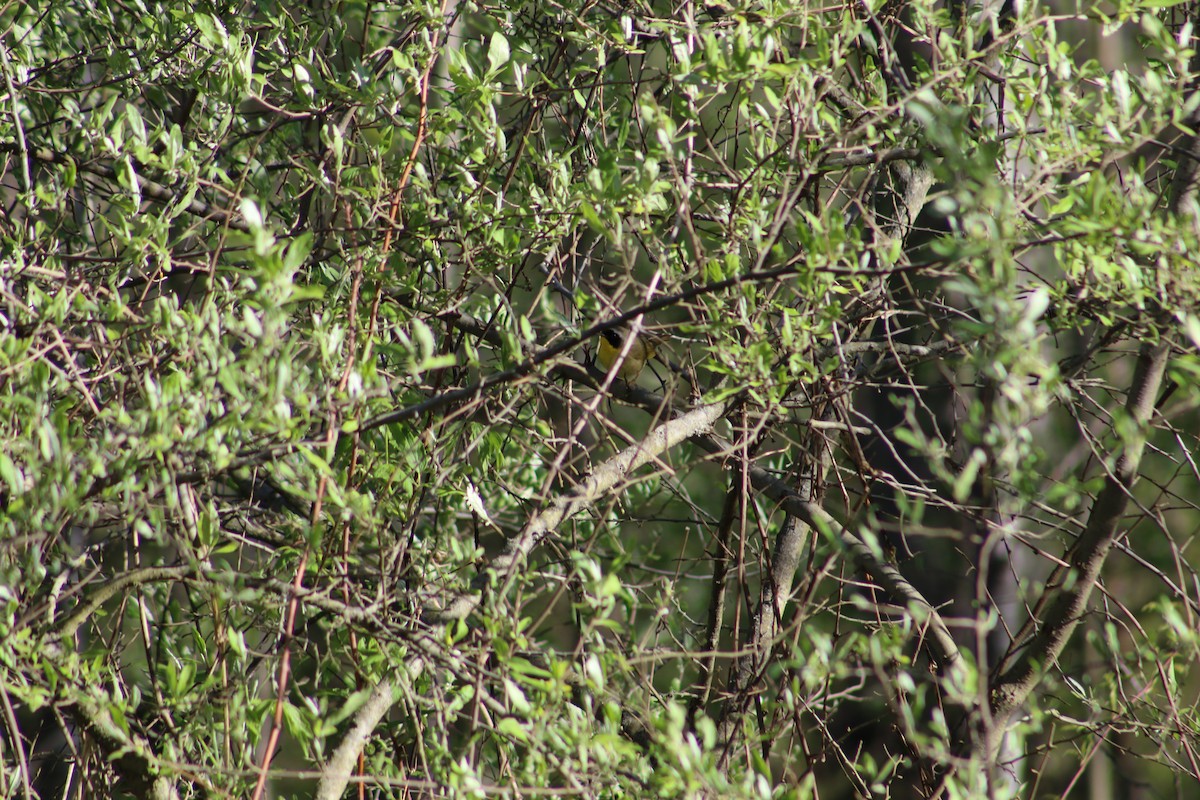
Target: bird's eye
[612, 337]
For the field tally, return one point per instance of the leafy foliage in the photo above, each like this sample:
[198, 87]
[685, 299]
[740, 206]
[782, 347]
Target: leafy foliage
[306, 454]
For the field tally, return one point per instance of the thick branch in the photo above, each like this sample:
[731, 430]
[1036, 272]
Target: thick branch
[345, 757]
[1064, 601]
[599, 484]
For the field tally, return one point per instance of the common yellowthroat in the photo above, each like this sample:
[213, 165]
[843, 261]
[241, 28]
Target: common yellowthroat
[644, 348]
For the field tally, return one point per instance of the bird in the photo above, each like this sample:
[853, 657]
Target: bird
[644, 348]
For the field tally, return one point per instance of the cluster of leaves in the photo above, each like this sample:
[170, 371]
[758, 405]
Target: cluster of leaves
[297, 325]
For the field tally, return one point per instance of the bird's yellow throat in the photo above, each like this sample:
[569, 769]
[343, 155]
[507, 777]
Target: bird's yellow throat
[612, 342]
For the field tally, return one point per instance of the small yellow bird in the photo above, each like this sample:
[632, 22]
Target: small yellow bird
[644, 348]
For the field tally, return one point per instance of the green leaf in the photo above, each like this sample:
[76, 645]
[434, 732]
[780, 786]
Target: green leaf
[510, 726]
[498, 52]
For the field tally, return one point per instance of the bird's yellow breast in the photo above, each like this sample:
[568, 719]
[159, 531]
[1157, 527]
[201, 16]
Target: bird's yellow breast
[613, 342]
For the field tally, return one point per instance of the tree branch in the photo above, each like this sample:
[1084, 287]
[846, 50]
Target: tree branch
[1038, 645]
[602, 481]
[938, 641]
[147, 187]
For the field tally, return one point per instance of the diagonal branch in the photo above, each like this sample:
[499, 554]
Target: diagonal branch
[1063, 602]
[599, 484]
[938, 639]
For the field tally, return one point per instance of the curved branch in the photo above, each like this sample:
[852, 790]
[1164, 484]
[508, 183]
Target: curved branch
[115, 587]
[345, 757]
